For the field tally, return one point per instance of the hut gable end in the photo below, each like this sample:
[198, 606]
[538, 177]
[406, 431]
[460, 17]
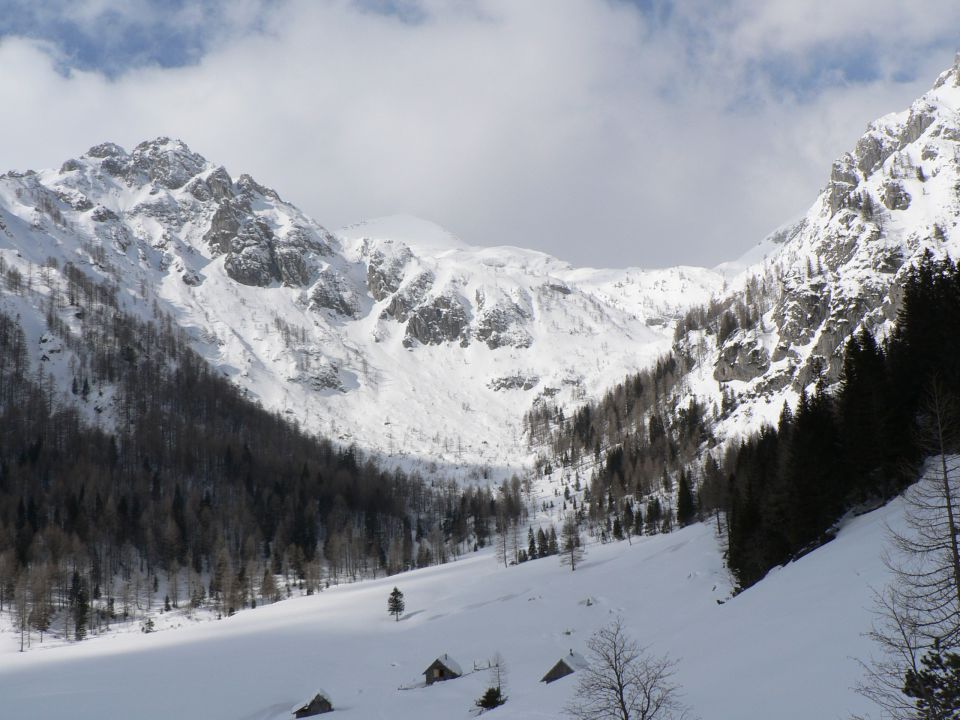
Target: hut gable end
[443, 668]
[320, 703]
[565, 666]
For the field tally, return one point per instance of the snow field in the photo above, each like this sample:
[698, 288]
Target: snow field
[782, 649]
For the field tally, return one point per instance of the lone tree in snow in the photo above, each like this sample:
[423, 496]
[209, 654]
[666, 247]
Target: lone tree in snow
[571, 546]
[493, 696]
[624, 682]
[395, 604]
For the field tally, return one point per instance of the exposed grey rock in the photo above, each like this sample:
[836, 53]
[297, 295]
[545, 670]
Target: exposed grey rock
[105, 150]
[168, 163]
[800, 312]
[950, 133]
[895, 197]
[70, 166]
[220, 184]
[385, 272]
[503, 325]
[247, 186]
[293, 253]
[843, 180]
[412, 294]
[250, 260]
[102, 214]
[918, 122]
[225, 224]
[741, 360]
[441, 320]
[200, 190]
[333, 293]
[162, 208]
[872, 150]
[514, 382]
[116, 165]
[76, 200]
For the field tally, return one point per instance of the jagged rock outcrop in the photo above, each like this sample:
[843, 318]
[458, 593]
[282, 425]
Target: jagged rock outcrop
[334, 293]
[250, 259]
[385, 271]
[167, 163]
[442, 319]
[741, 360]
[409, 297]
[842, 268]
[503, 325]
[514, 382]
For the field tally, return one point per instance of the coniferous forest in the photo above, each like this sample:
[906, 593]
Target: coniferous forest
[787, 486]
[781, 491]
[194, 489]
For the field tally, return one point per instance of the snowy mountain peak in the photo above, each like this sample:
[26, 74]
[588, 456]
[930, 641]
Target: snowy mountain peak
[394, 333]
[808, 287]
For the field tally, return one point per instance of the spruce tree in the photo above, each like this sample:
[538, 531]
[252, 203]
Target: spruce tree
[395, 604]
[686, 510]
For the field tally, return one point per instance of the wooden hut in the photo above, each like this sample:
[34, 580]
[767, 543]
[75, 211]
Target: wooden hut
[443, 668]
[566, 665]
[320, 703]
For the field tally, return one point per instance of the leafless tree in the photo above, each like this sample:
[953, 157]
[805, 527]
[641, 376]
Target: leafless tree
[625, 682]
[920, 609]
[571, 544]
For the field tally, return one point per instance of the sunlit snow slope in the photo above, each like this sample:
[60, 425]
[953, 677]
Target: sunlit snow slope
[392, 334]
[782, 649]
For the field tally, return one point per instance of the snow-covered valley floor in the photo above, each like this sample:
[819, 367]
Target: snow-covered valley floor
[783, 649]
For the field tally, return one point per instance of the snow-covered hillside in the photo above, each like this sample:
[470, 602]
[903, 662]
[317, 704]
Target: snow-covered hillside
[392, 334]
[782, 649]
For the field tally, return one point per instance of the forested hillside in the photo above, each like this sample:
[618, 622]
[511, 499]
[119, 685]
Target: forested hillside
[649, 451]
[190, 486]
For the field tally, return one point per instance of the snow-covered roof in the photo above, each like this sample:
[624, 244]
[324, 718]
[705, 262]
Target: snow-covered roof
[319, 693]
[576, 661]
[450, 663]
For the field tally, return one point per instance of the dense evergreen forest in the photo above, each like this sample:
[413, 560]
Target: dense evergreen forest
[187, 491]
[787, 486]
[782, 490]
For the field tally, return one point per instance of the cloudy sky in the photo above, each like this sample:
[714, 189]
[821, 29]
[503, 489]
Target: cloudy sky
[607, 132]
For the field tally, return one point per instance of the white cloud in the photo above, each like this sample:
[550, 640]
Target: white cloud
[579, 127]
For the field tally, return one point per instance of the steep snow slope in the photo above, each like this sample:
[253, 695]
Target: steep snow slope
[393, 334]
[782, 649]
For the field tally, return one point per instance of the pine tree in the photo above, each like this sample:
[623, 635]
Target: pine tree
[395, 604]
[542, 548]
[936, 686]
[686, 510]
[531, 545]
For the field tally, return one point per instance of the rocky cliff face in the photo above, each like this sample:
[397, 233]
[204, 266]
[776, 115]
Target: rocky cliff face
[393, 333]
[893, 197]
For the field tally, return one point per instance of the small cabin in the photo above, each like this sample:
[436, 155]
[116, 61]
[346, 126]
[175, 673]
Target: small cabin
[443, 668]
[566, 665]
[318, 705]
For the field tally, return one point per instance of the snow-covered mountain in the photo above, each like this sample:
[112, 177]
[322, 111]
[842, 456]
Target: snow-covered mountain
[392, 334]
[796, 298]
